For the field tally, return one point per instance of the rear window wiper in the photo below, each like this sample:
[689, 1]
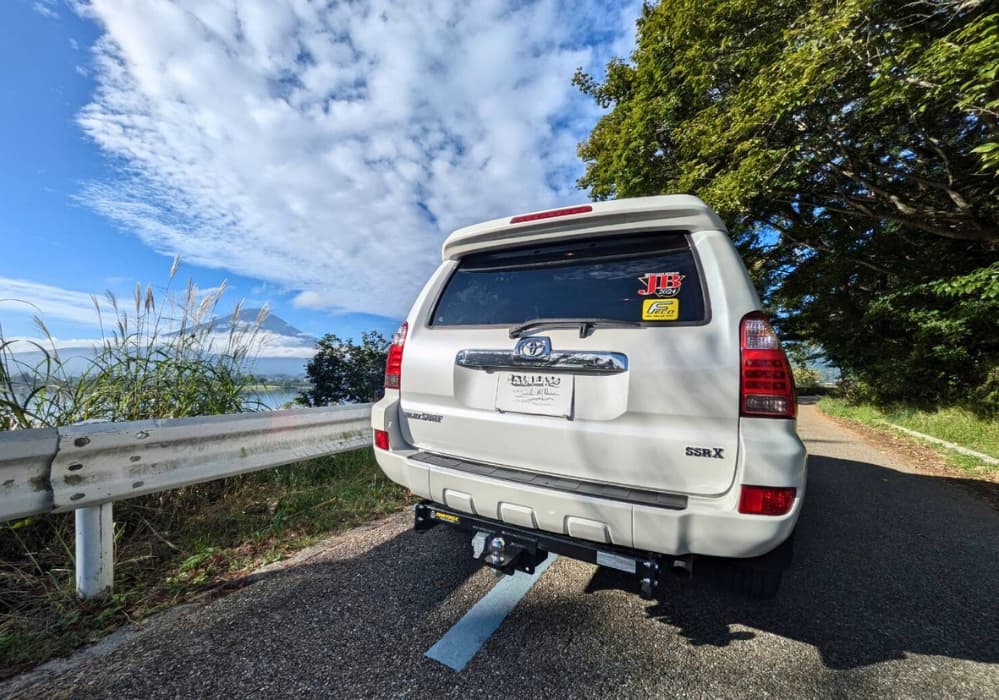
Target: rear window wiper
[586, 325]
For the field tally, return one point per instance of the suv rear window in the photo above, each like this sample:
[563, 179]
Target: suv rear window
[650, 279]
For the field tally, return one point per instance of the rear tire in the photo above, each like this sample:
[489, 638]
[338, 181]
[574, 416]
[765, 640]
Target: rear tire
[760, 578]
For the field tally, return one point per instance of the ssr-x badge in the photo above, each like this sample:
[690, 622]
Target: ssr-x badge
[713, 452]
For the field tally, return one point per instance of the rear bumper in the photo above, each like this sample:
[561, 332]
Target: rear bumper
[706, 526]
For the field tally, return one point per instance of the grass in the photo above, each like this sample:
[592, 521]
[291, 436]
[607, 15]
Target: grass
[955, 425]
[172, 546]
[157, 357]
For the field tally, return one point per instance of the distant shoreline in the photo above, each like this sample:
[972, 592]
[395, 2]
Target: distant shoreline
[298, 386]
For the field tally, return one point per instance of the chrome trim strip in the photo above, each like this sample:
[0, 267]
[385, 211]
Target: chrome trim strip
[582, 361]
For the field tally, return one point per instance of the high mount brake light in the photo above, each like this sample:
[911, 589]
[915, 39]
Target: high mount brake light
[766, 500]
[393, 365]
[766, 382]
[551, 214]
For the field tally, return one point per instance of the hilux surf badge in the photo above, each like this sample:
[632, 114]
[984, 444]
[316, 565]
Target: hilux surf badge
[662, 284]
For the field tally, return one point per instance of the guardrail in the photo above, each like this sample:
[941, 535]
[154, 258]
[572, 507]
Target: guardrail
[87, 467]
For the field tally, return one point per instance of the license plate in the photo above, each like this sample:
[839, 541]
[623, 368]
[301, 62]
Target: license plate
[530, 392]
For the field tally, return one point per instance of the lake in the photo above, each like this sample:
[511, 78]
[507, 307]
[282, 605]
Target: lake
[274, 399]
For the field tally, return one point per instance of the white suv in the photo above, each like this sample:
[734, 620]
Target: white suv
[597, 381]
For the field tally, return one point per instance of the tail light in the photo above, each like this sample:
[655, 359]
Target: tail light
[767, 385]
[393, 366]
[766, 500]
[381, 440]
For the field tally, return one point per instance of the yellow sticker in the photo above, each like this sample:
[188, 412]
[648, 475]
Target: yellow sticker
[444, 516]
[660, 309]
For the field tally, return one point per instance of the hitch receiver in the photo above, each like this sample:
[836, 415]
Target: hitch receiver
[508, 548]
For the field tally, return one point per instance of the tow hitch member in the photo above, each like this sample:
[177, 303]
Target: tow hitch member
[507, 555]
[508, 548]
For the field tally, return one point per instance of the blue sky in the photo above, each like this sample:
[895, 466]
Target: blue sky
[314, 157]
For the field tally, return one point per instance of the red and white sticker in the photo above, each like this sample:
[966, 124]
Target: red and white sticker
[662, 284]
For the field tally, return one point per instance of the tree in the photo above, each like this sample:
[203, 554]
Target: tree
[851, 146]
[344, 372]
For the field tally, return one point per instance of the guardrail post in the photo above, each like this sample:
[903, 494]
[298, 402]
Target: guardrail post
[94, 550]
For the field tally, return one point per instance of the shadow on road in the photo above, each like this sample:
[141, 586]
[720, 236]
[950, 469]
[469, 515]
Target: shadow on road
[886, 563]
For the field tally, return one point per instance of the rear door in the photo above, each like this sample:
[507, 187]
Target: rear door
[645, 396]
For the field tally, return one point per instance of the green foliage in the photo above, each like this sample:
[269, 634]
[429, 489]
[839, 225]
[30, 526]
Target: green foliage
[944, 332]
[153, 360]
[852, 148]
[807, 379]
[343, 371]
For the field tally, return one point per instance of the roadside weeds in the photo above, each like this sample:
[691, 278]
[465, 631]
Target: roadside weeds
[953, 425]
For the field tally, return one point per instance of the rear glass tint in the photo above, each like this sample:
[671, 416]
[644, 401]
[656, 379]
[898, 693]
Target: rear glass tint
[648, 279]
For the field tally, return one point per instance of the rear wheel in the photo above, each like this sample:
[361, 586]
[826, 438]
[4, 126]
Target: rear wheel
[760, 578]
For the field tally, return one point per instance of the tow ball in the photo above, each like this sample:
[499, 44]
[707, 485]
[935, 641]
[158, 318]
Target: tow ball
[505, 554]
[498, 556]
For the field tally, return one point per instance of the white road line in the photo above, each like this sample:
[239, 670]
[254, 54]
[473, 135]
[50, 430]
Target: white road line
[988, 459]
[463, 641]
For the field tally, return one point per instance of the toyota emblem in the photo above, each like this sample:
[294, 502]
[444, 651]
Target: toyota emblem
[533, 348]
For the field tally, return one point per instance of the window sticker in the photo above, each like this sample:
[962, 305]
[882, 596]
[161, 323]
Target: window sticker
[660, 309]
[662, 284]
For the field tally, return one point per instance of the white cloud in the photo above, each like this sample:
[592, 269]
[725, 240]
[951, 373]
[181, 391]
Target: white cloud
[311, 299]
[328, 148]
[46, 8]
[46, 301]
[272, 345]
[49, 302]
[264, 344]
[31, 344]
[268, 345]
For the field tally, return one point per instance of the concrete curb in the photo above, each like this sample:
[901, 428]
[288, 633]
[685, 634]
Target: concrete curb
[949, 445]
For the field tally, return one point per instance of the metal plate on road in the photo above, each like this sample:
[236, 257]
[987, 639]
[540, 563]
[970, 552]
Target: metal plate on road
[534, 393]
[463, 641]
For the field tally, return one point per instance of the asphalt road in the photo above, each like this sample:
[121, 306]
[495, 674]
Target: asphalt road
[894, 592]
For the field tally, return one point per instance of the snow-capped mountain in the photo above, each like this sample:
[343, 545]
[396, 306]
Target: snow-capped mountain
[284, 349]
[246, 320]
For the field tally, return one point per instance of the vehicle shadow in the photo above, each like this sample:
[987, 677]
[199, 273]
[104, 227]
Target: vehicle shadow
[886, 563]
